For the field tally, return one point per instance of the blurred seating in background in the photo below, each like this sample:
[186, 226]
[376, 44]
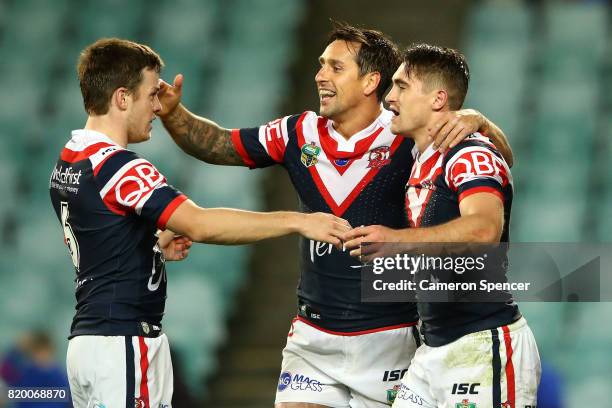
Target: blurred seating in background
[543, 73]
[234, 56]
[541, 70]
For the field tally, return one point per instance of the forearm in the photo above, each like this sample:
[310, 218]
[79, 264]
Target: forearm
[233, 227]
[470, 228]
[499, 139]
[201, 138]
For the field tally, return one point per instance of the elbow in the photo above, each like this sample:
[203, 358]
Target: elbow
[194, 233]
[487, 233]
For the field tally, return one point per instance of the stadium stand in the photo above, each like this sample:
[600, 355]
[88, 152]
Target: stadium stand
[37, 63]
[541, 70]
[534, 74]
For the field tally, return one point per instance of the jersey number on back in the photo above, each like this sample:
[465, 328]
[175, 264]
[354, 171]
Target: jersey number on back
[69, 238]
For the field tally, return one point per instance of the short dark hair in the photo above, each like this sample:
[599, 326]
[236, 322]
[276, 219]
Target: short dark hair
[377, 53]
[441, 66]
[111, 63]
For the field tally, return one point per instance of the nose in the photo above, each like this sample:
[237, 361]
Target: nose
[321, 75]
[156, 104]
[391, 96]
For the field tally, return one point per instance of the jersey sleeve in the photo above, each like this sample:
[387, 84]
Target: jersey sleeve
[476, 169]
[265, 145]
[131, 184]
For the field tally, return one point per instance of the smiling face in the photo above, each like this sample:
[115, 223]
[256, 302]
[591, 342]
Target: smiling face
[411, 102]
[144, 104]
[340, 86]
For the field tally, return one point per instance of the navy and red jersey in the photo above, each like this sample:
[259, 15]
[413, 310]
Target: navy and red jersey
[110, 202]
[438, 182]
[361, 179]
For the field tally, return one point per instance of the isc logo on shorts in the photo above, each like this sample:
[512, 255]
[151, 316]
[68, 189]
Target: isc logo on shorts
[298, 382]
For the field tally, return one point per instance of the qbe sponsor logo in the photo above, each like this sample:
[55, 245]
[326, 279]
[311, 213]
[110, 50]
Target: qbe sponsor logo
[137, 183]
[298, 382]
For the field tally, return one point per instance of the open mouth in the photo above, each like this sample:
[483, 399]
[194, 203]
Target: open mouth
[325, 95]
[395, 111]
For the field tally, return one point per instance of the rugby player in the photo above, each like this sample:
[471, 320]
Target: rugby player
[345, 161]
[475, 354]
[110, 202]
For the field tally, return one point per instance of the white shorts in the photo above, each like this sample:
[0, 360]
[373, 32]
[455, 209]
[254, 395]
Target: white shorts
[120, 371]
[491, 368]
[338, 370]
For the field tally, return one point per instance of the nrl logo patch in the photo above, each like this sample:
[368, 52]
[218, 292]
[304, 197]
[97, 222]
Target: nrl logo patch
[465, 404]
[392, 394]
[309, 154]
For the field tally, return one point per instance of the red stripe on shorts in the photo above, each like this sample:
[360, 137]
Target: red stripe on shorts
[509, 366]
[144, 366]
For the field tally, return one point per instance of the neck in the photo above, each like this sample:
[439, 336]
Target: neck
[421, 135]
[112, 127]
[421, 138]
[357, 119]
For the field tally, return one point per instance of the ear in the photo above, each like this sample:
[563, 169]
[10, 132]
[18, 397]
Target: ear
[370, 83]
[120, 98]
[440, 99]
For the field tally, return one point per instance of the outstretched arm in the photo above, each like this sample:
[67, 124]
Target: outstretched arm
[197, 136]
[230, 227]
[454, 126]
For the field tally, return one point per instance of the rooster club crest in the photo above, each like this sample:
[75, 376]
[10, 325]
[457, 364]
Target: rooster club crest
[309, 154]
[379, 157]
[428, 184]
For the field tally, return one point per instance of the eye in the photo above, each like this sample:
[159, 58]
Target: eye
[337, 68]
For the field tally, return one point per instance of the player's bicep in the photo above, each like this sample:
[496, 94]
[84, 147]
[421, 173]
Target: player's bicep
[184, 220]
[487, 206]
[265, 145]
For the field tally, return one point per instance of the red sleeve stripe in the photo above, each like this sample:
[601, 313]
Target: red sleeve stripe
[237, 141]
[73, 156]
[483, 189]
[170, 208]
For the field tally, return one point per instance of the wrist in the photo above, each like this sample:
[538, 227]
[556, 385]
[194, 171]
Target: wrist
[402, 235]
[484, 123]
[172, 113]
[295, 221]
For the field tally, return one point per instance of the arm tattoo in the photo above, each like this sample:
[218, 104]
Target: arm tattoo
[202, 138]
